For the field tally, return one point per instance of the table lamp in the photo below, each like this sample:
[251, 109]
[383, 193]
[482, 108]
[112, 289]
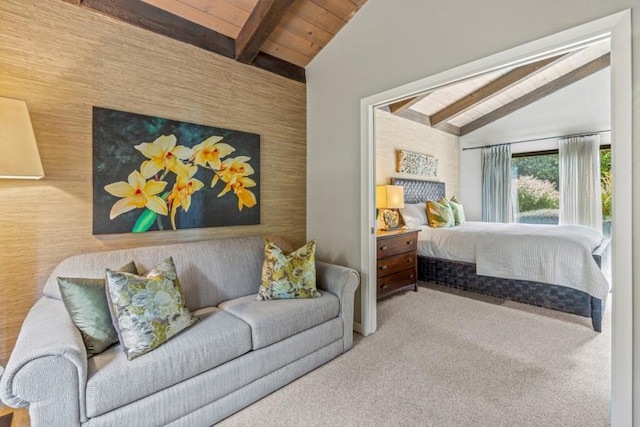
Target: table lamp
[390, 198]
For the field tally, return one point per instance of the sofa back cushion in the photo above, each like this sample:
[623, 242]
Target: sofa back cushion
[210, 271]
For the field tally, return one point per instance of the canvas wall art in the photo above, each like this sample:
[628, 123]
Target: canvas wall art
[417, 164]
[152, 174]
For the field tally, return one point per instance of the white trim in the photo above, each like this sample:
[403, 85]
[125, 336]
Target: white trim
[622, 220]
[619, 26]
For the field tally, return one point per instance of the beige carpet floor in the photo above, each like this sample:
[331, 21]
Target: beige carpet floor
[451, 358]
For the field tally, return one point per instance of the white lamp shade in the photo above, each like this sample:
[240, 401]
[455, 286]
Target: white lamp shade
[20, 158]
[389, 197]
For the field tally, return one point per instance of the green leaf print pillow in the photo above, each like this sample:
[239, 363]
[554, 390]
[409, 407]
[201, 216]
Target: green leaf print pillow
[440, 214]
[147, 310]
[288, 276]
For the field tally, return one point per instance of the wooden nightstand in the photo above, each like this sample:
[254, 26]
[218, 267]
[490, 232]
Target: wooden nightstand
[397, 261]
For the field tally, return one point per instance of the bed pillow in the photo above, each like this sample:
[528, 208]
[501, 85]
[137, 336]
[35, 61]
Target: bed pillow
[439, 214]
[147, 310]
[414, 214]
[288, 276]
[458, 210]
[86, 302]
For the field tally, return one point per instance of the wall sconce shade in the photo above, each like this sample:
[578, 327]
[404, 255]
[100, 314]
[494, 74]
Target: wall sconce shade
[389, 197]
[20, 158]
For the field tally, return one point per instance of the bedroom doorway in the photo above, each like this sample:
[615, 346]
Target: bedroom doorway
[618, 27]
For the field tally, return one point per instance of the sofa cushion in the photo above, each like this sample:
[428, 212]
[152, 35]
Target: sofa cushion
[274, 320]
[86, 302]
[290, 275]
[114, 381]
[147, 310]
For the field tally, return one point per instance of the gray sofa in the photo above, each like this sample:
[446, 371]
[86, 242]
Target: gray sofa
[239, 351]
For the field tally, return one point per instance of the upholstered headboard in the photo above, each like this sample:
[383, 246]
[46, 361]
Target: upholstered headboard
[417, 191]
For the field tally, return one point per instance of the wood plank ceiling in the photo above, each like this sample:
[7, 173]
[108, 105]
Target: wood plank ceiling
[468, 105]
[281, 36]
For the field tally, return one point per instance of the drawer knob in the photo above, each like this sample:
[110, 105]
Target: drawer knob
[383, 267]
[410, 242]
[383, 286]
[383, 248]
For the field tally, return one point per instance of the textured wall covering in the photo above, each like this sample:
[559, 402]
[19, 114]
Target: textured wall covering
[62, 60]
[395, 133]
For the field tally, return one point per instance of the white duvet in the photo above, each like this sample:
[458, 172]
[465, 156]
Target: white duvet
[553, 254]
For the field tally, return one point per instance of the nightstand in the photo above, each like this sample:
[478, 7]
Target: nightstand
[397, 261]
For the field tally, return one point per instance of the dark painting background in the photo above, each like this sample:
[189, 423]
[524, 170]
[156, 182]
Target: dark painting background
[114, 157]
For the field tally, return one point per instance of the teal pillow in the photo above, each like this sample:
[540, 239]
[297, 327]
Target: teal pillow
[86, 302]
[458, 210]
[147, 310]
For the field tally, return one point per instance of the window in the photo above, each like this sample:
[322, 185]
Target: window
[535, 181]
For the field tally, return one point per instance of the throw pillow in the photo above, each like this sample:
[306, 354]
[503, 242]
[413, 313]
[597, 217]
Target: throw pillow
[86, 302]
[288, 276]
[439, 214]
[147, 310]
[414, 214]
[458, 210]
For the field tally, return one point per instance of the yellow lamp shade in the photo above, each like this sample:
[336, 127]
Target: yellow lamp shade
[389, 197]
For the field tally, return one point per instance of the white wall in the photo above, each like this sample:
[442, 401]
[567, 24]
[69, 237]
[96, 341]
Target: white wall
[390, 43]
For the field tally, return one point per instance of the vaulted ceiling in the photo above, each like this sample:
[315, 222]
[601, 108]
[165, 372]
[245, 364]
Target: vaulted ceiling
[471, 104]
[281, 36]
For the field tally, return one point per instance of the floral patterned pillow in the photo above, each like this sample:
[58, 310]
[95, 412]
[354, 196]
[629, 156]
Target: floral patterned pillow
[439, 214]
[147, 310]
[288, 276]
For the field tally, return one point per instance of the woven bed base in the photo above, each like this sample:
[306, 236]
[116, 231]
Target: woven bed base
[462, 275]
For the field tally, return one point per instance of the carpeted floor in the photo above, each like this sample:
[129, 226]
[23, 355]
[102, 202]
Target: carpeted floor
[450, 358]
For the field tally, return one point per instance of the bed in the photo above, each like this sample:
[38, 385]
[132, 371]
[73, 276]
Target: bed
[498, 260]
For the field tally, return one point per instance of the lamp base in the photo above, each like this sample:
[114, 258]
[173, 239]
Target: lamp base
[391, 219]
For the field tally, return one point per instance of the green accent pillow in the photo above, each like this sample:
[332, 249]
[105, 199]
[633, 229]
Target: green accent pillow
[288, 276]
[147, 310]
[439, 214]
[458, 210]
[86, 302]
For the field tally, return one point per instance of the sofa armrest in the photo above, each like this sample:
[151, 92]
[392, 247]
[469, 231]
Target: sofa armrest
[47, 370]
[342, 282]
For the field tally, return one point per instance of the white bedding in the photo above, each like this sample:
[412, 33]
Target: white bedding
[559, 255]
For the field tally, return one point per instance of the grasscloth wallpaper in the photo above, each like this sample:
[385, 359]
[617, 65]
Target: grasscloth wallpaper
[63, 60]
[395, 133]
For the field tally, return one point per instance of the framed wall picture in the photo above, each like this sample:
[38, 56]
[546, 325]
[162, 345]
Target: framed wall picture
[152, 174]
[417, 164]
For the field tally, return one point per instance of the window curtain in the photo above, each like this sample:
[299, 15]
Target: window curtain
[580, 194]
[496, 184]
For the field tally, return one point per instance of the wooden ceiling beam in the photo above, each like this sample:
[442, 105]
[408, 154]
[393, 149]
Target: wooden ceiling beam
[148, 17]
[261, 22]
[423, 119]
[563, 81]
[398, 107]
[500, 84]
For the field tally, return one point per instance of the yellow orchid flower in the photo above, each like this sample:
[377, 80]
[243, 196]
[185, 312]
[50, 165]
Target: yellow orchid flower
[137, 193]
[210, 151]
[239, 187]
[182, 191]
[163, 154]
[233, 168]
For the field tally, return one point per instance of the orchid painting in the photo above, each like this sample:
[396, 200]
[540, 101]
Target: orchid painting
[157, 174]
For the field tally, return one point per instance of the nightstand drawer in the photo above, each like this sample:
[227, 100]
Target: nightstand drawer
[396, 263]
[396, 245]
[389, 284]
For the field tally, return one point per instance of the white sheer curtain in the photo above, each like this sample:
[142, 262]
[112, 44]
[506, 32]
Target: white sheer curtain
[580, 195]
[496, 184]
